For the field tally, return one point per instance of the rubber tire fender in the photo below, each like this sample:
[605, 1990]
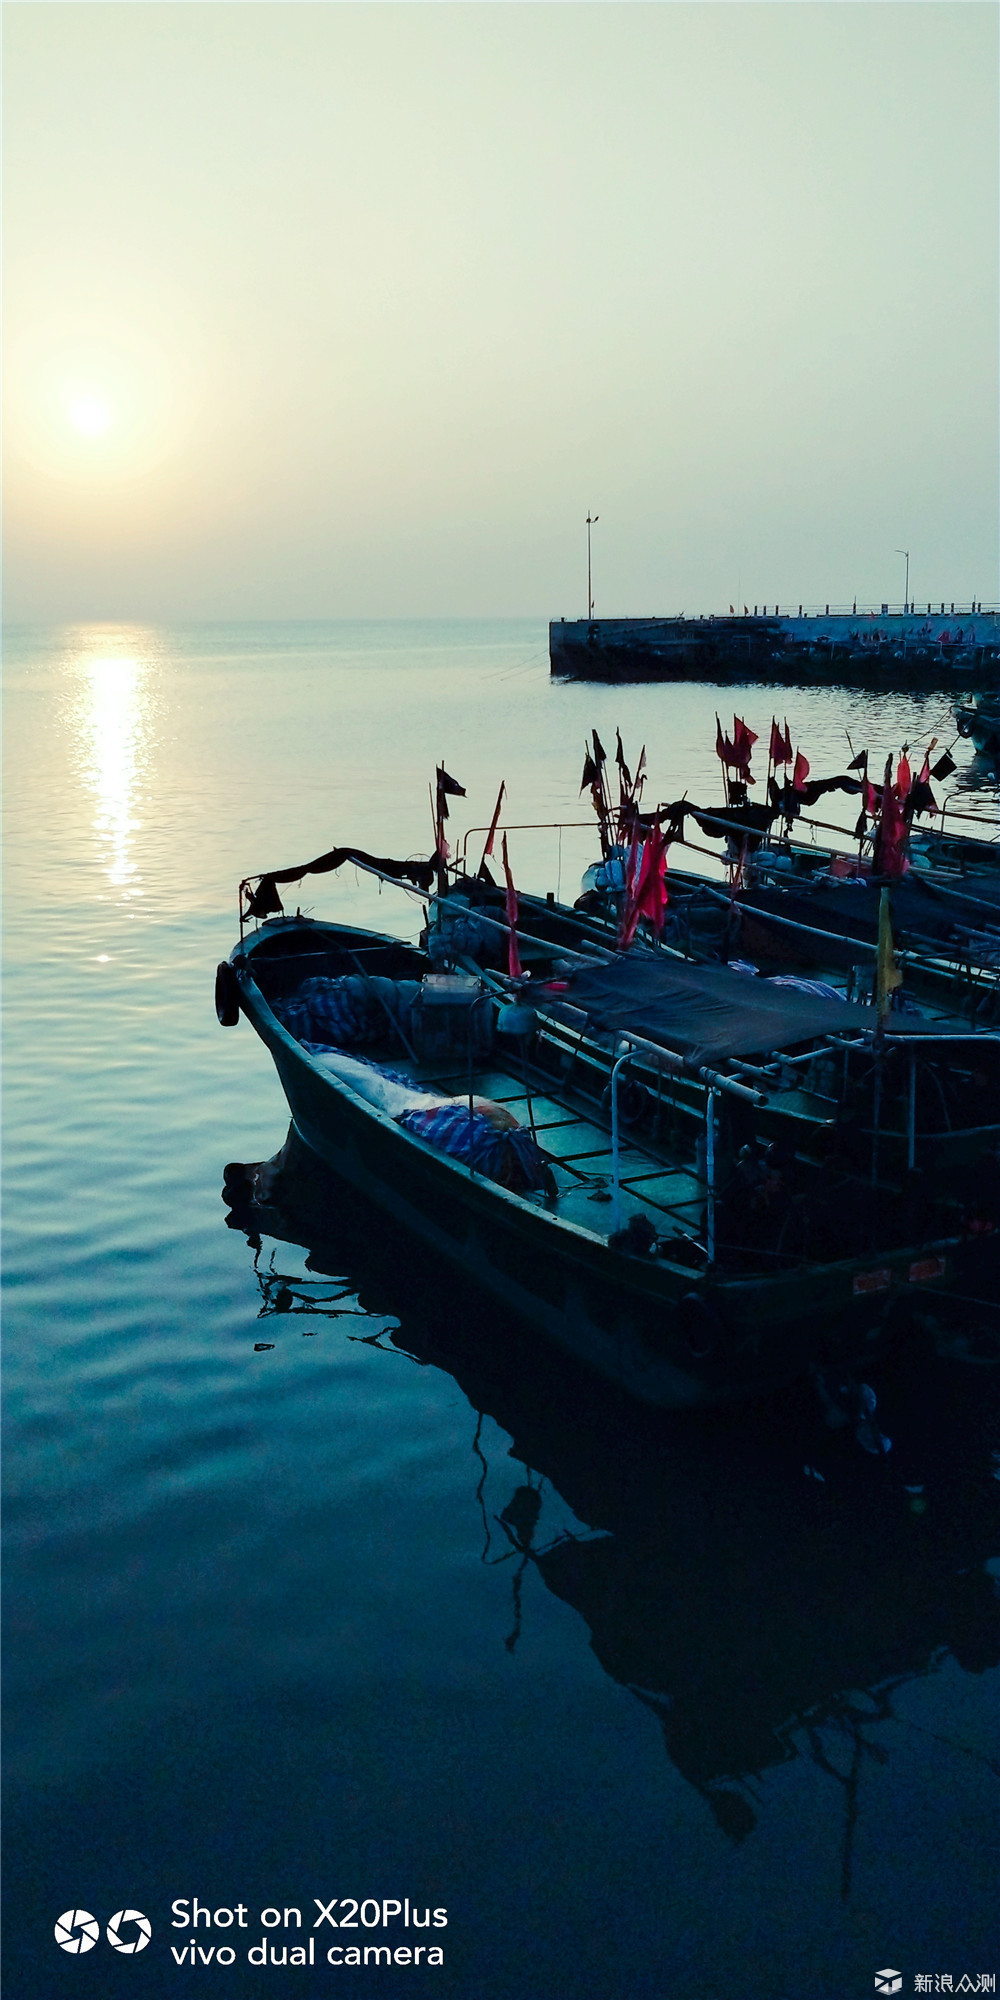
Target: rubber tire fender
[227, 995]
[634, 1100]
[701, 1325]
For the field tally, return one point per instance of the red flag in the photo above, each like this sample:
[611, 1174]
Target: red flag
[743, 742]
[651, 890]
[903, 776]
[491, 836]
[723, 747]
[629, 923]
[890, 840]
[871, 797]
[633, 860]
[646, 885]
[800, 773]
[513, 961]
[781, 747]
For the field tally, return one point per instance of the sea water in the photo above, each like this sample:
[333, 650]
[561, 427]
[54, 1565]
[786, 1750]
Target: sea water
[332, 1600]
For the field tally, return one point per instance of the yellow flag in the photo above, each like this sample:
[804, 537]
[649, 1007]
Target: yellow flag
[887, 973]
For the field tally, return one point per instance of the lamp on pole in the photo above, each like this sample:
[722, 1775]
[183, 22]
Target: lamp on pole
[591, 518]
[906, 586]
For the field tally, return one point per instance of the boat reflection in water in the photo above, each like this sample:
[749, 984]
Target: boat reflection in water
[758, 1581]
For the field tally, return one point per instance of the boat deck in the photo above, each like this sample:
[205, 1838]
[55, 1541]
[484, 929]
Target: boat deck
[578, 1152]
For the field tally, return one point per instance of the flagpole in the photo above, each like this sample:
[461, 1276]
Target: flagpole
[491, 835]
[719, 738]
[439, 841]
[864, 808]
[608, 810]
[437, 834]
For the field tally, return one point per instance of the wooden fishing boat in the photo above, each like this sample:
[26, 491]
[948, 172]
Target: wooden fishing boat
[634, 1249]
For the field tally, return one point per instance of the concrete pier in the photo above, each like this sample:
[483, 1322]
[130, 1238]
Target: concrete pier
[937, 645]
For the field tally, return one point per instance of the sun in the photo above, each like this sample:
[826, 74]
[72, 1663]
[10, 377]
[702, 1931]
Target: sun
[89, 412]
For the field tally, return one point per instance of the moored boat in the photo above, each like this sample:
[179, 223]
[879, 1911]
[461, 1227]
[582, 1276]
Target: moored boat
[685, 1267]
[786, 897]
[979, 719]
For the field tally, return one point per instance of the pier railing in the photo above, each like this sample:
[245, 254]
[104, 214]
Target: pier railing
[929, 608]
[932, 608]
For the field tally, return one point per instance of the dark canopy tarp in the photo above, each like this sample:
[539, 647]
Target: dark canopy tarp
[264, 901]
[707, 1013]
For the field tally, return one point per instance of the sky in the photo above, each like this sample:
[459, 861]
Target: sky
[319, 310]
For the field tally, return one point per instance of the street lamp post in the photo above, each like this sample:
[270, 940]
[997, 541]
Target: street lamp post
[906, 586]
[591, 518]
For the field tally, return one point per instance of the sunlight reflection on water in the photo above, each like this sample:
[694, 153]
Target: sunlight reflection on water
[112, 727]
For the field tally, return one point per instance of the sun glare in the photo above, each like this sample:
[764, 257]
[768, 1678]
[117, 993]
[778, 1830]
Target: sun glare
[112, 729]
[90, 414]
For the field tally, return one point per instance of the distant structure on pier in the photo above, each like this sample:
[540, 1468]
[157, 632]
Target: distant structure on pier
[944, 644]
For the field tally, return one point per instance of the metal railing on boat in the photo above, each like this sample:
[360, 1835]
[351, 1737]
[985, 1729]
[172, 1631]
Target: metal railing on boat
[715, 1082]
